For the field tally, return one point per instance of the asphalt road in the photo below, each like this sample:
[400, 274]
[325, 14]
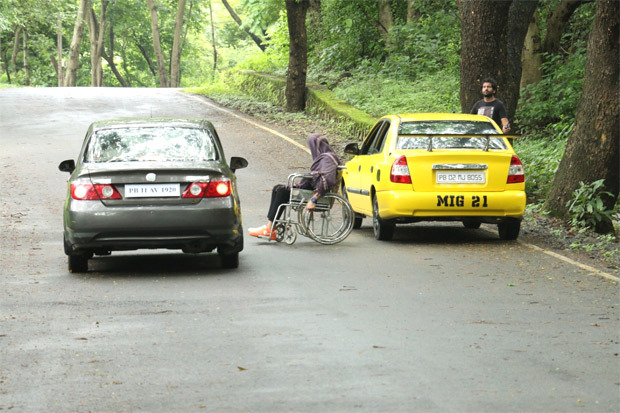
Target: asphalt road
[441, 319]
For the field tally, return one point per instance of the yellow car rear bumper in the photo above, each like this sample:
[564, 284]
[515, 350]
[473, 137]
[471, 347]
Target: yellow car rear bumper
[410, 204]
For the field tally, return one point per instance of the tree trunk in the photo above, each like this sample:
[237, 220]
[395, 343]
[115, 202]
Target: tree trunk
[119, 77]
[6, 65]
[59, 51]
[73, 60]
[315, 18]
[13, 65]
[213, 37]
[147, 58]
[519, 17]
[593, 148]
[412, 13]
[557, 22]
[530, 56]
[484, 46]
[298, 55]
[101, 40]
[110, 59]
[175, 59]
[237, 19]
[97, 33]
[2, 61]
[25, 55]
[159, 55]
[386, 20]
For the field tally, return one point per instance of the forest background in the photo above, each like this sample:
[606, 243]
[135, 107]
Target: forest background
[380, 56]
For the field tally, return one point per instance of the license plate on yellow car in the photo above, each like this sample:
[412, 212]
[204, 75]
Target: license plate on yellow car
[453, 177]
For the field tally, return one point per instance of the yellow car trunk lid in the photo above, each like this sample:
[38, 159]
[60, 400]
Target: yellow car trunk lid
[448, 170]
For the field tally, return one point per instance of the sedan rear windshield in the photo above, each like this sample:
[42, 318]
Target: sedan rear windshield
[150, 144]
[448, 142]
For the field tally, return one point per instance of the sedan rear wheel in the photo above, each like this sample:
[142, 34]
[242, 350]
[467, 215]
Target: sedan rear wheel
[78, 263]
[383, 229]
[509, 230]
[230, 260]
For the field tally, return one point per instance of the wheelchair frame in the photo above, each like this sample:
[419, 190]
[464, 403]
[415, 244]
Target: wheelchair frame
[329, 223]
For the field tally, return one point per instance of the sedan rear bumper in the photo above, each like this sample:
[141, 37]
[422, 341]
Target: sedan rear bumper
[210, 224]
[429, 205]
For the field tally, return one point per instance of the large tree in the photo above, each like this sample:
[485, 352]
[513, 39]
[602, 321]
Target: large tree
[74, 51]
[557, 22]
[298, 55]
[593, 148]
[175, 58]
[492, 36]
[159, 54]
[96, 30]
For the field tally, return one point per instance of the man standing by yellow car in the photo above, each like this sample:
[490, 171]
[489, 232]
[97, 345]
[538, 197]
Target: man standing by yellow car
[490, 106]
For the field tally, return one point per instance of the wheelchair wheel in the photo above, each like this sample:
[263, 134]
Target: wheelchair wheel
[285, 233]
[330, 222]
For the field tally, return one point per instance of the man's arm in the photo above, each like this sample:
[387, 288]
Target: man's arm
[505, 125]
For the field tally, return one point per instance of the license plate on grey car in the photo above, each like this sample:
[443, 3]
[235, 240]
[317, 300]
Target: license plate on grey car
[152, 190]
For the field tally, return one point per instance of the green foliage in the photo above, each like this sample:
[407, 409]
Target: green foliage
[556, 97]
[275, 58]
[379, 94]
[587, 209]
[541, 154]
[348, 34]
[261, 14]
[427, 45]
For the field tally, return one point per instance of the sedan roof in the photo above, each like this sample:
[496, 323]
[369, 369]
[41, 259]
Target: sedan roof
[150, 123]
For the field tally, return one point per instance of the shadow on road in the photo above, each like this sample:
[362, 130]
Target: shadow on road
[156, 265]
[441, 233]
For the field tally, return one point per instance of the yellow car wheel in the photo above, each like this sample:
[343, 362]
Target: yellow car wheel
[383, 229]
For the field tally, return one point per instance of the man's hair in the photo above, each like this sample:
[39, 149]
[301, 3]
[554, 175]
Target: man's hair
[491, 81]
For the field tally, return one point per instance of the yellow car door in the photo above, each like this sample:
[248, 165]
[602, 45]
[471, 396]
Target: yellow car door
[356, 170]
[370, 171]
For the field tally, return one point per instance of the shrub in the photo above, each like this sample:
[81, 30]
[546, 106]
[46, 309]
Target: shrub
[587, 209]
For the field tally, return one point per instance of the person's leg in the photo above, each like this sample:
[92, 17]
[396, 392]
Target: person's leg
[279, 195]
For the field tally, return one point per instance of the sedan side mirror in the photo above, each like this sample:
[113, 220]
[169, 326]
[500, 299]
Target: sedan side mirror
[67, 166]
[352, 149]
[237, 162]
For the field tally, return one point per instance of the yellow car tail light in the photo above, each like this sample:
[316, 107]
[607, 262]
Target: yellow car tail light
[400, 171]
[516, 173]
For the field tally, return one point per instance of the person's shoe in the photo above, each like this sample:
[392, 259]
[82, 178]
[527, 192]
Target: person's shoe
[262, 232]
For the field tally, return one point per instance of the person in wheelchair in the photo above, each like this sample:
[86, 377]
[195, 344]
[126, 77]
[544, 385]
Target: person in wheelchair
[324, 170]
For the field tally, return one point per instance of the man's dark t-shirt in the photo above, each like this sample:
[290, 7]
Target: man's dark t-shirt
[494, 110]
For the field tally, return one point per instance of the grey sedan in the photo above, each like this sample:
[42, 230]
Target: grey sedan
[152, 183]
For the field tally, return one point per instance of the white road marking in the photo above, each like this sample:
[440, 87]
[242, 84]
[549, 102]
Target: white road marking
[592, 270]
[251, 122]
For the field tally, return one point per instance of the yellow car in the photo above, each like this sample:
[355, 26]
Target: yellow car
[435, 167]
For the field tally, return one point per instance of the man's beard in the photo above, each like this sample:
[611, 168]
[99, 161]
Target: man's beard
[488, 94]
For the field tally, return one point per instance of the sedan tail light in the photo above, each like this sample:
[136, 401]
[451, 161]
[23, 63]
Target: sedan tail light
[516, 173]
[400, 171]
[90, 192]
[213, 189]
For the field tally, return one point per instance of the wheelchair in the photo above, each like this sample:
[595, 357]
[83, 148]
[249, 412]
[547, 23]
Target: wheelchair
[329, 223]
